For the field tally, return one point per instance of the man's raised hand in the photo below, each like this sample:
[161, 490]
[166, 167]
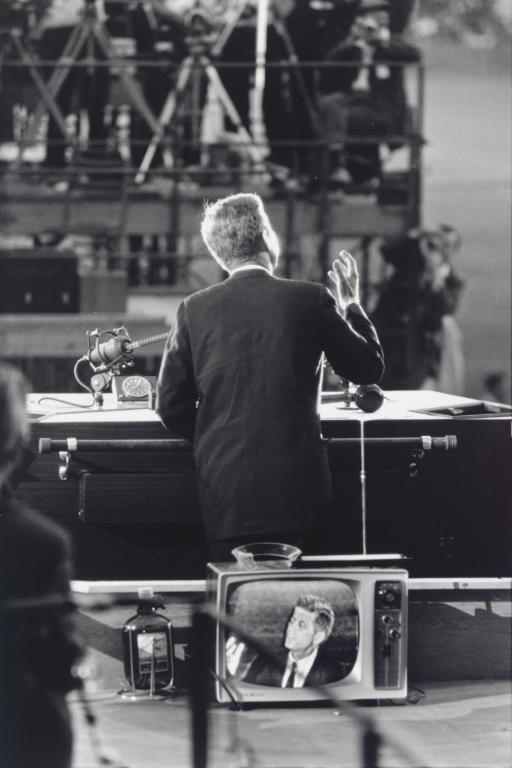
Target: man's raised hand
[345, 277]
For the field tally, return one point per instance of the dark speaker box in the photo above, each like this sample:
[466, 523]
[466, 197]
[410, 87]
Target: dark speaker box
[39, 280]
[104, 291]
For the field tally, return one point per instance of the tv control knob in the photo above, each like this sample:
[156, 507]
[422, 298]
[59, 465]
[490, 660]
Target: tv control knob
[395, 634]
[386, 619]
[388, 596]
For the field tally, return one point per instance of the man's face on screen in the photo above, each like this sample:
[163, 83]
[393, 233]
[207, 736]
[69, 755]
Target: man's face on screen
[302, 635]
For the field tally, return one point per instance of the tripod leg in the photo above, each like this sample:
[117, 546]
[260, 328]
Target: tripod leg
[130, 85]
[256, 153]
[50, 91]
[48, 98]
[222, 39]
[166, 115]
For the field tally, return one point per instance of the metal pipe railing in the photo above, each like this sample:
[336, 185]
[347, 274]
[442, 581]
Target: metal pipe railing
[74, 444]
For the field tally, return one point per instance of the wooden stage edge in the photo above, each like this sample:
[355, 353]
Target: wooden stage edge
[180, 586]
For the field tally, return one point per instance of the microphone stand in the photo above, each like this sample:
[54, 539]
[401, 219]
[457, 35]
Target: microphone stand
[362, 475]
[108, 354]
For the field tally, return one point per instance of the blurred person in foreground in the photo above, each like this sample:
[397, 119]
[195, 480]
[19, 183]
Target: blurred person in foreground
[38, 647]
[240, 377]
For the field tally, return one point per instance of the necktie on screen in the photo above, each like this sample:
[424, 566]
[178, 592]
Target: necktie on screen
[291, 678]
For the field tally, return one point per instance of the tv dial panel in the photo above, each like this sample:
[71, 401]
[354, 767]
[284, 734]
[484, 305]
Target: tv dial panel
[389, 635]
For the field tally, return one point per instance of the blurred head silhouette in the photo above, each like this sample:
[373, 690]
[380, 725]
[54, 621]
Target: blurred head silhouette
[13, 419]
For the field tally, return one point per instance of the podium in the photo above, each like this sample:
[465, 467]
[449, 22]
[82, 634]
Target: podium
[133, 514]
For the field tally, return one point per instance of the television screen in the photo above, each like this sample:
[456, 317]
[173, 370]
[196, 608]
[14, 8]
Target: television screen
[338, 630]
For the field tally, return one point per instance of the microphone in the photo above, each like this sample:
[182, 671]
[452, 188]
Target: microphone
[119, 345]
[112, 350]
[105, 352]
[108, 354]
[367, 397]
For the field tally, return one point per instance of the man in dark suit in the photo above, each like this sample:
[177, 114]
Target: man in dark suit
[367, 97]
[38, 645]
[240, 378]
[306, 663]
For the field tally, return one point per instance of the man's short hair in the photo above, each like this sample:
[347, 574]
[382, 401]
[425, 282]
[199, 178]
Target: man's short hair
[324, 614]
[13, 418]
[233, 227]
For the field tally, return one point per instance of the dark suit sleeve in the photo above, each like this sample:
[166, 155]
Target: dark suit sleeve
[351, 345]
[326, 669]
[398, 50]
[176, 393]
[263, 672]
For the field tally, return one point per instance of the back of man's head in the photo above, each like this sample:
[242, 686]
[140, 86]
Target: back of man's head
[13, 418]
[233, 229]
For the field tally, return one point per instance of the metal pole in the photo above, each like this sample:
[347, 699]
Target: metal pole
[363, 488]
[74, 444]
[201, 628]
[258, 125]
[370, 743]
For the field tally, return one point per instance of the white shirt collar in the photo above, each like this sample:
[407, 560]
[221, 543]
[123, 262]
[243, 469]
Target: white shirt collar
[301, 671]
[249, 266]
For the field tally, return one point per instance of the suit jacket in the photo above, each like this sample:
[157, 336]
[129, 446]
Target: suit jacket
[38, 645]
[324, 670]
[248, 352]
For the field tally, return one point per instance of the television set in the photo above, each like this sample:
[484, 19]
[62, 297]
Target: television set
[345, 629]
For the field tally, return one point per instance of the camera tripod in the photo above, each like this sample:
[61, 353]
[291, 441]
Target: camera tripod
[89, 33]
[198, 61]
[195, 63]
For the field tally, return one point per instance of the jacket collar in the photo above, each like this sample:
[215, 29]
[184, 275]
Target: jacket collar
[244, 273]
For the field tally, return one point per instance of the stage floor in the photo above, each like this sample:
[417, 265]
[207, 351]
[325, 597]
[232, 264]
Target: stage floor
[459, 725]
